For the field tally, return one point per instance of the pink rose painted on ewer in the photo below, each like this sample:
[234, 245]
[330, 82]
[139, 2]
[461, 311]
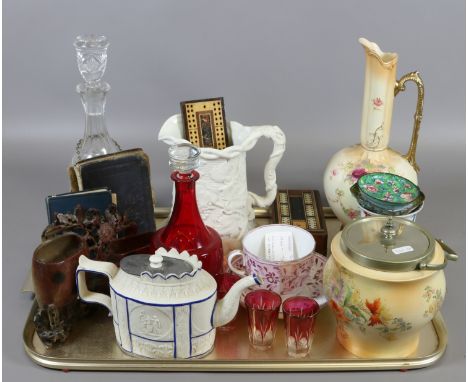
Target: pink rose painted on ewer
[357, 173]
[377, 102]
[352, 214]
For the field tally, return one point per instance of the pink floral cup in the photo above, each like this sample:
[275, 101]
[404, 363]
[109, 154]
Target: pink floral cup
[282, 277]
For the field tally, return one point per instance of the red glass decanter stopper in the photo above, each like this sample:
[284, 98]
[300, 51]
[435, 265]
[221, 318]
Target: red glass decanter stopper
[186, 230]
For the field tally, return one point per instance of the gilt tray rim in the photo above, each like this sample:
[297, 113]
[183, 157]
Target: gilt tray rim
[200, 365]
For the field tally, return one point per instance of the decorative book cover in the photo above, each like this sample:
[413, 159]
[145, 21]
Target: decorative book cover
[65, 203]
[127, 174]
[302, 208]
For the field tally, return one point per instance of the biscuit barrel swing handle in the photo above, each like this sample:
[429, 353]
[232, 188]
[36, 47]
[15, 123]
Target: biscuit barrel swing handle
[449, 254]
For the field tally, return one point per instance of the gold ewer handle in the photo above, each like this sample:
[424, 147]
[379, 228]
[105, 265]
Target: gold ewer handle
[401, 86]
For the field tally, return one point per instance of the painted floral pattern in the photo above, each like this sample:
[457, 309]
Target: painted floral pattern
[350, 308]
[377, 102]
[350, 212]
[434, 298]
[285, 278]
[352, 172]
[389, 187]
[312, 284]
[357, 173]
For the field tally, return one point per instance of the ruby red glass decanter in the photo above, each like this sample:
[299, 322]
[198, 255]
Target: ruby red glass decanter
[186, 230]
[91, 56]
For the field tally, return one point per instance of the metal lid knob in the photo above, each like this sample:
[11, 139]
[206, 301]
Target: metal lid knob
[388, 231]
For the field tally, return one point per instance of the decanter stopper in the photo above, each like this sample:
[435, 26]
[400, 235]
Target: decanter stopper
[184, 157]
[91, 56]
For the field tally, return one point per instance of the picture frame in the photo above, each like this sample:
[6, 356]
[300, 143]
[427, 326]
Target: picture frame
[205, 123]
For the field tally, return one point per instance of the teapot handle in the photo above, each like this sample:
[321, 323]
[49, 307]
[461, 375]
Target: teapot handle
[400, 85]
[279, 145]
[101, 267]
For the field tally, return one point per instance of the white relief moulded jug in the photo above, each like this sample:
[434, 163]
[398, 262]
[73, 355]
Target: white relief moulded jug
[373, 153]
[223, 198]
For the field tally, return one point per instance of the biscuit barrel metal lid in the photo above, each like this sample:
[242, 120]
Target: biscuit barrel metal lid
[391, 244]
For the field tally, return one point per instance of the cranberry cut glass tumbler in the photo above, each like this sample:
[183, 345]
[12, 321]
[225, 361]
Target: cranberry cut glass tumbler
[263, 309]
[299, 319]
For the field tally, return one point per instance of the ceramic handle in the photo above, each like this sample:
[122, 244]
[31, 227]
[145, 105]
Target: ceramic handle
[449, 254]
[101, 267]
[279, 144]
[231, 257]
[401, 86]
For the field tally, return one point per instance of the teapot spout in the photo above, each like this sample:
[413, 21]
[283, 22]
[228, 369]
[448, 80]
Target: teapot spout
[226, 308]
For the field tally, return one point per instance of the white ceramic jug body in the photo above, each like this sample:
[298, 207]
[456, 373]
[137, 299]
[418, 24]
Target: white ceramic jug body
[223, 198]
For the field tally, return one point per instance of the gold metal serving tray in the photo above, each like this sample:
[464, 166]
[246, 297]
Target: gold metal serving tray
[92, 344]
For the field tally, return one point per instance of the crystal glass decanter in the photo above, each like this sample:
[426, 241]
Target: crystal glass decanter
[91, 55]
[186, 230]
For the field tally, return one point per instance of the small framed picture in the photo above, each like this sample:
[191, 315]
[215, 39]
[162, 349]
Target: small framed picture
[205, 123]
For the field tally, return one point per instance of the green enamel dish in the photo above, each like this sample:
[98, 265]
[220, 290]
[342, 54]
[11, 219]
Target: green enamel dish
[387, 193]
[378, 210]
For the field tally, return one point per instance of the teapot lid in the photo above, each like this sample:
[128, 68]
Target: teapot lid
[164, 264]
[387, 244]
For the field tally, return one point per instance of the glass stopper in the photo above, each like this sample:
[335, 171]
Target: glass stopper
[184, 157]
[91, 56]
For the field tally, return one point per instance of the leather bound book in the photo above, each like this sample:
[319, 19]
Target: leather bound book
[302, 208]
[127, 174]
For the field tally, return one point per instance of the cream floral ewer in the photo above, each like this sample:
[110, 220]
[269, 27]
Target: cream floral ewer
[223, 199]
[373, 153]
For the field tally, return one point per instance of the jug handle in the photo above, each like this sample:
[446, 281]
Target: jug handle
[400, 85]
[279, 145]
[100, 267]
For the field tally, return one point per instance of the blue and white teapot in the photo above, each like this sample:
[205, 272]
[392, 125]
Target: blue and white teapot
[164, 305]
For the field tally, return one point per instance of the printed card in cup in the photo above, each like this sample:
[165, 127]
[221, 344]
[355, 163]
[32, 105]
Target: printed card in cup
[279, 246]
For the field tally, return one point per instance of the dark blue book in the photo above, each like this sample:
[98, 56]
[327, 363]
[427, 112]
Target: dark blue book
[66, 203]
